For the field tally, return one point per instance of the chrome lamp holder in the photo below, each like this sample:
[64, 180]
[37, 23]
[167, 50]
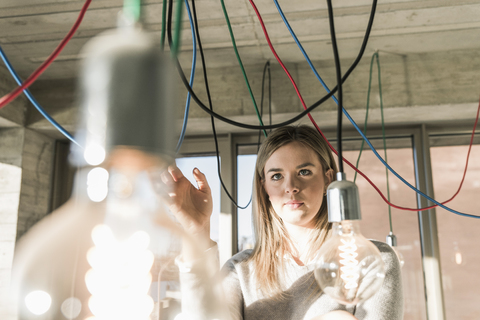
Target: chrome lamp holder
[343, 200]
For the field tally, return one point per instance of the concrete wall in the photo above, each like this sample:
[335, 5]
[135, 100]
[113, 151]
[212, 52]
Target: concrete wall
[26, 164]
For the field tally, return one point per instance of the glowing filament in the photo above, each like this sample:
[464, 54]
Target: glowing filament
[120, 277]
[349, 263]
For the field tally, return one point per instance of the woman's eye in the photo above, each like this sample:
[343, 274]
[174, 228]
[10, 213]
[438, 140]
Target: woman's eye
[305, 172]
[276, 176]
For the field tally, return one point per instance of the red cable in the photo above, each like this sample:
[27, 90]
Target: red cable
[12, 95]
[333, 149]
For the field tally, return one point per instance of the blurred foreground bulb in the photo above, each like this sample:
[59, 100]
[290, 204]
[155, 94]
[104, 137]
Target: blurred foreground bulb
[109, 252]
[349, 267]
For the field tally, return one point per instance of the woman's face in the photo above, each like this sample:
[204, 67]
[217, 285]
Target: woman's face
[295, 184]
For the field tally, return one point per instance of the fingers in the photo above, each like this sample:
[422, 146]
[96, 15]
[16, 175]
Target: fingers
[201, 180]
[175, 172]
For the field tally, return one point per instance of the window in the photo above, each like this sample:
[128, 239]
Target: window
[245, 174]
[457, 236]
[375, 221]
[207, 165]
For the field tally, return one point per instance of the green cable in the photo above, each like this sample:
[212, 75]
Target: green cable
[164, 23]
[132, 8]
[366, 116]
[384, 141]
[241, 64]
[177, 30]
[375, 55]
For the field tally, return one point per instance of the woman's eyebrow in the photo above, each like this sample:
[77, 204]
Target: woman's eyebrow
[306, 164]
[303, 165]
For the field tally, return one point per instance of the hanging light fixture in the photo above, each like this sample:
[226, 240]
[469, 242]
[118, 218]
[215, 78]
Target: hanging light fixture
[349, 267]
[109, 252]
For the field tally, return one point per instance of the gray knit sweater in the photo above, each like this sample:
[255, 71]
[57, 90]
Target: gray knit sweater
[302, 299]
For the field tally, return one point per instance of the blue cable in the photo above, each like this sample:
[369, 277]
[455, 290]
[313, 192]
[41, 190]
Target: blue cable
[33, 101]
[358, 129]
[192, 75]
[303, 51]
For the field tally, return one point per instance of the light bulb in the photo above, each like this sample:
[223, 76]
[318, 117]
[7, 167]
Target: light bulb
[349, 268]
[109, 252]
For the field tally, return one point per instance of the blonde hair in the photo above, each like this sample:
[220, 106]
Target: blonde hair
[272, 240]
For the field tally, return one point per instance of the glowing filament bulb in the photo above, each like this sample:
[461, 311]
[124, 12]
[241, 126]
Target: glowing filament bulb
[349, 263]
[120, 276]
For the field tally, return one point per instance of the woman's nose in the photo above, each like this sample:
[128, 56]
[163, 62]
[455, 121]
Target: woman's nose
[291, 185]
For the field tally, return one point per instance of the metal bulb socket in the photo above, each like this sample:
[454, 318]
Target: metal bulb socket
[391, 240]
[343, 200]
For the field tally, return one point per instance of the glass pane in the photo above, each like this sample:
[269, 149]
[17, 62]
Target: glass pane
[207, 165]
[245, 171]
[375, 221]
[459, 256]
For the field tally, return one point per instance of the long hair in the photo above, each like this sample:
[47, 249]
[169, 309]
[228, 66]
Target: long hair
[272, 240]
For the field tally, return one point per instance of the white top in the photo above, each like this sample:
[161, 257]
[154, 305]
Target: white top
[303, 300]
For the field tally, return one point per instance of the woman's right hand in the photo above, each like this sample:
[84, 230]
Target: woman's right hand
[191, 206]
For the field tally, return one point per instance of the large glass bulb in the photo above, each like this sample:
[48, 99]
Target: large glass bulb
[109, 252]
[349, 267]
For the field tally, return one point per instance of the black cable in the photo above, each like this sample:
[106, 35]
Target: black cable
[267, 66]
[338, 70]
[207, 88]
[269, 96]
[300, 115]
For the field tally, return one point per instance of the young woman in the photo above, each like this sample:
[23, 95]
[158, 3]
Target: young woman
[275, 280]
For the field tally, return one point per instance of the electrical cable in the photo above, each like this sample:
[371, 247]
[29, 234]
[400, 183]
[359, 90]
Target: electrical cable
[294, 36]
[164, 20]
[132, 9]
[376, 56]
[28, 82]
[368, 142]
[366, 118]
[269, 96]
[316, 104]
[383, 130]
[175, 46]
[265, 68]
[34, 101]
[234, 44]
[360, 132]
[301, 114]
[384, 139]
[338, 71]
[208, 96]
[192, 75]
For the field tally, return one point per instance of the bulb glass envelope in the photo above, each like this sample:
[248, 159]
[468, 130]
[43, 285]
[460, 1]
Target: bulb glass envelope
[109, 252]
[349, 268]
[112, 258]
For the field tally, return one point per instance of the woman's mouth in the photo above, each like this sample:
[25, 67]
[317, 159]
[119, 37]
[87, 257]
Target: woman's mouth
[293, 204]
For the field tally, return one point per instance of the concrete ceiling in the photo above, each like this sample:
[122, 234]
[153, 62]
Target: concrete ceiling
[31, 29]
